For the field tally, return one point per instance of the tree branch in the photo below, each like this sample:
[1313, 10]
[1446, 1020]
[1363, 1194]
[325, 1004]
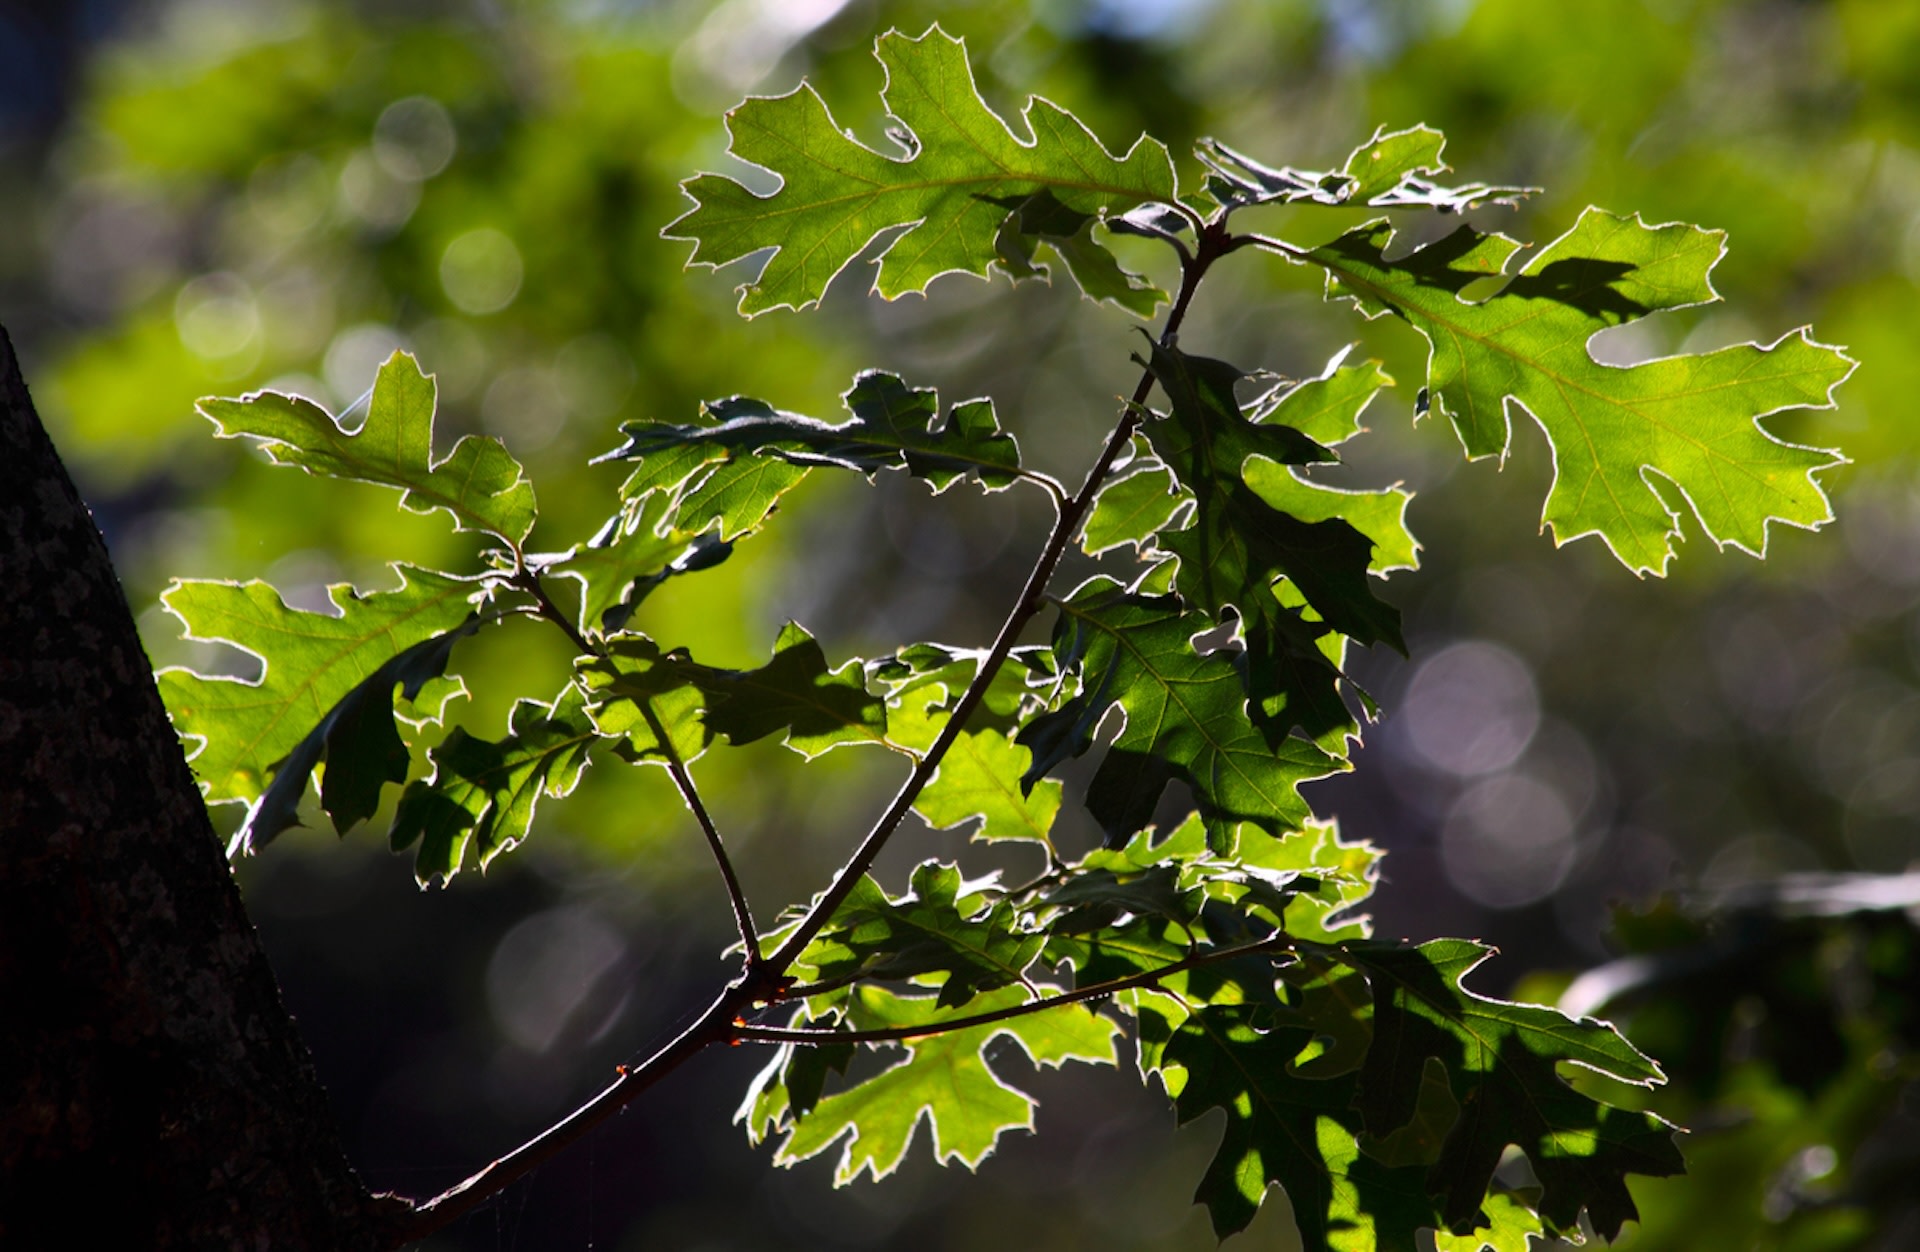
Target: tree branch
[711, 1027]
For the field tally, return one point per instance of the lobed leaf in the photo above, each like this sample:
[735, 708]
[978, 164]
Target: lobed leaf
[479, 482]
[483, 793]
[1500, 1060]
[1185, 718]
[964, 172]
[1394, 169]
[638, 550]
[1623, 437]
[980, 777]
[249, 731]
[1227, 1057]
[816, 708]
[932, 930]
[893, 427]
[943, 1079]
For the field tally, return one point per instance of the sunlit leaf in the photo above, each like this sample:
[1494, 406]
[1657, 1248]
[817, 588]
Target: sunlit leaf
[893, 427]
[1627, 441]
[972, 945]
[483, 794]
[1501, 1061]
[479, 482]
[311, 662]
[943, 1079]
[962, 173]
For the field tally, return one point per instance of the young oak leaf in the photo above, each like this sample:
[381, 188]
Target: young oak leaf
[311, 663]
[930, 930]
[358, 740]
[1186, 718]
[1243, 549]
[1500, 1059]
[1237, 545]
[637, 550]
[483, 793]
[1224, 1057]
[980, 777]
[1393, 169]
[817, 708]
[944, 1079]
[479, 482]
[893, 427]
[964, 172]
[1620, 434]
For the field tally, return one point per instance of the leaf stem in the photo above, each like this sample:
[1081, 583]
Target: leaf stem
[1213, 243]
[1094, 991]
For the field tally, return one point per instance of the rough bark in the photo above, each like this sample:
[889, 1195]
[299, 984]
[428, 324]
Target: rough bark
[153, 1090]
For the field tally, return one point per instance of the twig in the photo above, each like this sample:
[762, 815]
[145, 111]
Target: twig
[529, 581]
[742, 914]
[712, 1027]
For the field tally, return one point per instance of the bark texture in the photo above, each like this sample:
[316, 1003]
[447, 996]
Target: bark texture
[153, 1091]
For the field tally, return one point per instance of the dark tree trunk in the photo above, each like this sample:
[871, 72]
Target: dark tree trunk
[153, 1091]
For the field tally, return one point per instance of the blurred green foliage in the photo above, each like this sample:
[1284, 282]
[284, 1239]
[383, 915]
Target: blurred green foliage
[280, 193]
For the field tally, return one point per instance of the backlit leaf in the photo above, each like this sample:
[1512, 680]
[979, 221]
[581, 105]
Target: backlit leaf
[943, 1079]
[962, 173]
[930, 930]
[1185, 718]
[1624, 438]
[483, 793]
[479, 482]
[1501, 1063]
[980, 777]
[311, 662]
[893, 427]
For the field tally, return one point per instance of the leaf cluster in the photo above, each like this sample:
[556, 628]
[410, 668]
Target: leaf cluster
[1216, 925]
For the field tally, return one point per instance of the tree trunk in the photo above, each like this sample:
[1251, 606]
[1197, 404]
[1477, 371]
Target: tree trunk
[153, 1091]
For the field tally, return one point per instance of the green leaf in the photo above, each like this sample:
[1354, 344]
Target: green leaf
[1501, 1060]
[634, 553]
[893, 427]
[1041, 220]
[1394, 169]
[951, 191]
[311, 661]
[1225, 1057]
[359, 742]
[979, 777]
[1509, 1223]
[1326, 409]
[818, 708]
[944, 1079]
[1131, 508]
[1185, 718]
[1237, 544]
[635, 677]
[1623, 436]
[479, 482]
[483, 793]
[930, 930]
[737, 495]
